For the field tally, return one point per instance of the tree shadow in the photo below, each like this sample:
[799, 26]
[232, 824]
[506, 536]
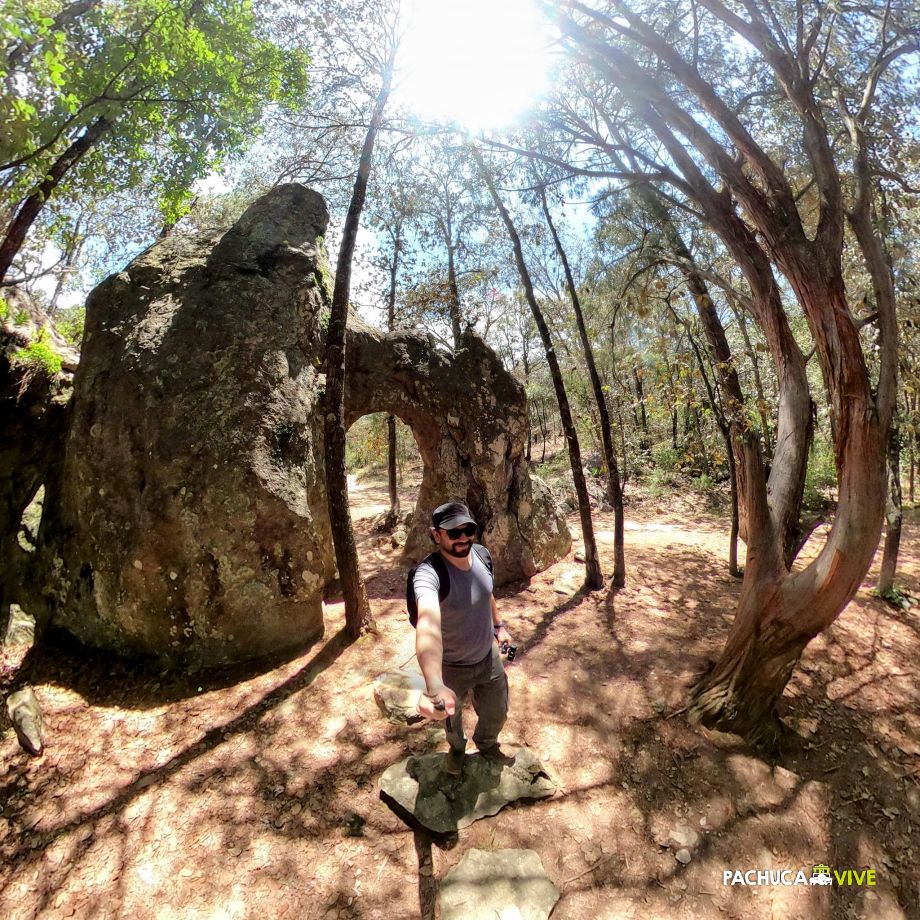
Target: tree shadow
[104, 678]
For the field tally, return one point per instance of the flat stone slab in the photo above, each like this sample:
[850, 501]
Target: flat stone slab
[503, 884]
[421, 792]
[396, 693]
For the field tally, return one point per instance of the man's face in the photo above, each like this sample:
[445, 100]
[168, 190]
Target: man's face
[455, 541]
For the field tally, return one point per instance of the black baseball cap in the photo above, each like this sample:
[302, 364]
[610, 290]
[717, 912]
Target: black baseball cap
[451, 514]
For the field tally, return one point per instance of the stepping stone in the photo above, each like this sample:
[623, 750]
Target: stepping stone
[396, 693]
[420, 791]
[503, 884]
[26, 715]
[20, 629]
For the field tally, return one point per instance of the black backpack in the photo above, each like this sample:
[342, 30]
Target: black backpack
[440, 567]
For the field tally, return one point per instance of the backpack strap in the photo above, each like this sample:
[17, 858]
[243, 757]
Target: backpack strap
[484, 556]
[440, 567]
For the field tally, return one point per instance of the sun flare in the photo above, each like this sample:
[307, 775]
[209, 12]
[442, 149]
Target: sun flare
[480, 63]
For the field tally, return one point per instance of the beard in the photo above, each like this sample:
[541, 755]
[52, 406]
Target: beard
[459, 551]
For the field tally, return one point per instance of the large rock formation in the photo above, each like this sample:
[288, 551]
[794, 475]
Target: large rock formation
[469, 418]
[190, 520]
[189, 517]
[34, 401]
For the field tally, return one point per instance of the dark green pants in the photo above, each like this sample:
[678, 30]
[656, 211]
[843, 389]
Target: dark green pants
[487, 683]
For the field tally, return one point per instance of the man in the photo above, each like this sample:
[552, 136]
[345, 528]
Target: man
[457, 639]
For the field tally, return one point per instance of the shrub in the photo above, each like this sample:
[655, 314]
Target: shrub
[665, 458]
[821, 475]
[70, 324]
[39, 356]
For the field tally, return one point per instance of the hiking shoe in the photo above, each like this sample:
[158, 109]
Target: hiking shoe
[453, 762]
[493, 753]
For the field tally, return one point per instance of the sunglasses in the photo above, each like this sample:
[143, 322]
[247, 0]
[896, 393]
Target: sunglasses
[467, 530]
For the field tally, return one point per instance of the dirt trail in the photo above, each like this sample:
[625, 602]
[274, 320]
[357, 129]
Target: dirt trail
[234, 798]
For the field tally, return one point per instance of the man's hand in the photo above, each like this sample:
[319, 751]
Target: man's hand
[441, 707]
[502, 635]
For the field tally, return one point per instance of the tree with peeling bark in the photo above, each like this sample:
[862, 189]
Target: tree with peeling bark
[705, 141]
[594, 577]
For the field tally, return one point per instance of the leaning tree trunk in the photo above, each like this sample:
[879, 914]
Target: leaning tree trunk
[30, 208]
[358, 616]
[755, 212]
[893, 514]
[594, 577]
[614, 490]
[780, 612]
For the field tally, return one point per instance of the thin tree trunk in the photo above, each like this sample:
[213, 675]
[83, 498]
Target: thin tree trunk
[725, 429]
[392, 515]
[639, 410]
[765, 423]
[454, 298]
[614, 490]
[733, 569]
[594, 577]
[358, 616]
[893, 512]
[32, 206]
[914, 442]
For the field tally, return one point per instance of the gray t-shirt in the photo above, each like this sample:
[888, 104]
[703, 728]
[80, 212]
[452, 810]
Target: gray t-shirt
[466, 612]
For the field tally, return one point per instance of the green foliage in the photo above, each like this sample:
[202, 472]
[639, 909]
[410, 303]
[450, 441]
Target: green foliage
[22, 317]
[4, 308]
[70, 324]
[821, 474]
[665, 458]
[704, 483]
[366, 444]
[659, 483]
[183, 84]
[40, 356]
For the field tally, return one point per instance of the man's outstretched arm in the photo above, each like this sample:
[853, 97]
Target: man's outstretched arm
[429, 649]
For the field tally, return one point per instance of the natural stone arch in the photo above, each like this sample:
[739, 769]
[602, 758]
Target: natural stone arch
[469, 418]
[188, 517]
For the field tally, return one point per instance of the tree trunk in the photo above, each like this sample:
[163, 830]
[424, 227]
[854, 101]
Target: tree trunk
[30, 208]
[765, 423]
[639, 409]
[733, 569]
[725, 429]
[358, 616]
[594, 577]
[392, 516]
[614, 491]
[454, 293]
[779, 611]
[893, 514]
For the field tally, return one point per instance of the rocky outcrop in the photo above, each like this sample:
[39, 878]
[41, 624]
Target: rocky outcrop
[469, 418]
[190, 517]
[34, 414]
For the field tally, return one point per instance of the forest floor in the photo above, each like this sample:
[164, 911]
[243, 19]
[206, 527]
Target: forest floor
[256, 795]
